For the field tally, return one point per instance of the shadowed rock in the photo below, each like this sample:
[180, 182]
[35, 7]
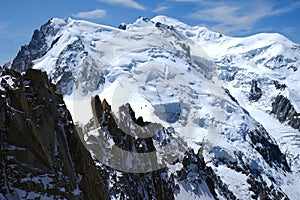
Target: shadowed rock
[41, 153]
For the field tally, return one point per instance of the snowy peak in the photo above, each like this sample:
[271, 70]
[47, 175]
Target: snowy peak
[56, 32]
[190, 31]
[275, 37]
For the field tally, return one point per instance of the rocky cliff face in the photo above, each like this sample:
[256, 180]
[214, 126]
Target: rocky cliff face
[255, 92]
[41, 154]
[37, 47]
[285, 112]
[126, 185]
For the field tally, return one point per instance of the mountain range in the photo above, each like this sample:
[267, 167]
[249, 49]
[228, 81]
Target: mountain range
[156, 109]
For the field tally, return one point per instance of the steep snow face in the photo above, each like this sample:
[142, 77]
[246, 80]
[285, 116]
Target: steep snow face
[193, 81]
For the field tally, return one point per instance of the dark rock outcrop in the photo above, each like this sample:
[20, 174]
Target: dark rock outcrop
[41, 153]
[268, 149]
[279, 86]
[255, 92]
[285, 112]
[122, 26]
[148, 185]
[37, 47]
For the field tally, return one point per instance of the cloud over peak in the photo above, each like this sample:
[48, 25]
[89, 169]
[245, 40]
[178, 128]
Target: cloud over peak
[93, 14]
[160, 9]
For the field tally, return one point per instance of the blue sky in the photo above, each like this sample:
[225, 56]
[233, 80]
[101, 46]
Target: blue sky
[19, 18]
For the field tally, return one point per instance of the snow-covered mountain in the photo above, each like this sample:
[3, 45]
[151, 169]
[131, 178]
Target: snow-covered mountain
[219, 115]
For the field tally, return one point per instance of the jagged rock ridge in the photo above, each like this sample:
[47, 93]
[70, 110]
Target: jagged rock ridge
[41, 153]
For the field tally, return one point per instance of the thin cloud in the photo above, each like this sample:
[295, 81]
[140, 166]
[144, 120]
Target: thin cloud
[93, 14]
[239, 17]
[126, 3]
[161, 9]
[286, 9]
